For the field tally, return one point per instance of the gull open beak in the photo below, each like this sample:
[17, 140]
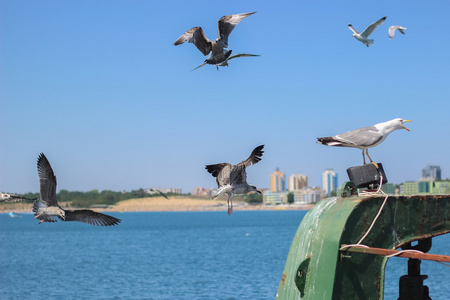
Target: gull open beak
[405, 122]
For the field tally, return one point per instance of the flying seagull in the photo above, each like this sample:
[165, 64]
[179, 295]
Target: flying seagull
[392, 30]
[161, 193]
[225, 62]
[12, 198]
[218, 55]
[232, 179]
[364, 36]
[364, 138]
[46, 209]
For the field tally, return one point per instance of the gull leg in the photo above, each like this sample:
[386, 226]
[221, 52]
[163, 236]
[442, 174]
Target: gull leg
[217, 67]
[230, 208]
[374, 163]
[364, 158]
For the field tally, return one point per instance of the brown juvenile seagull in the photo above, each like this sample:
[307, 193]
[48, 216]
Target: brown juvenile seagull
[364, 138]
[232, 179]
[197, 37]
[46, 209]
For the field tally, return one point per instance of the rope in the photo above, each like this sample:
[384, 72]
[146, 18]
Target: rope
[378, 192]
[358, 244]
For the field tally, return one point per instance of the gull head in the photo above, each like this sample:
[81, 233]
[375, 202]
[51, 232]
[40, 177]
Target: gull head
[62, 214]
[387, 127]
[398, 124]
[253, 188]
[403, 121]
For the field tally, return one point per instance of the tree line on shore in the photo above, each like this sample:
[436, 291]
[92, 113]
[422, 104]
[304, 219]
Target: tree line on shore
[106, 197]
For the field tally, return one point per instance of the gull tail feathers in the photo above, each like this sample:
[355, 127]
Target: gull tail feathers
[329, 141]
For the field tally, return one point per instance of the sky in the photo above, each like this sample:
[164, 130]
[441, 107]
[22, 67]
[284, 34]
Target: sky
[100, 89]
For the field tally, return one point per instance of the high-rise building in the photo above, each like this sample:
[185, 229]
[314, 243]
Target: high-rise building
[277, 182]
[329, 181]
[297, 182]
[431, 172]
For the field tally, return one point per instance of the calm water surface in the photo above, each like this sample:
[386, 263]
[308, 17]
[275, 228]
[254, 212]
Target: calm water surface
[165, 255]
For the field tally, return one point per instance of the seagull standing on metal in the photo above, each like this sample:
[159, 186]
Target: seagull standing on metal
[46, 209]
[392, 30]
[232, 179]
[225, 62]
[364, 138]
[363, 37]
[218, 55]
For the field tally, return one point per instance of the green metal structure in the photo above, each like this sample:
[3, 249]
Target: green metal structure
[316, 269]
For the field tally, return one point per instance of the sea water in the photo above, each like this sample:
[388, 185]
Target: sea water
[166, 255]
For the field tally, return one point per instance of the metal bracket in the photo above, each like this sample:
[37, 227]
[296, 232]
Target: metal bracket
[349, 189]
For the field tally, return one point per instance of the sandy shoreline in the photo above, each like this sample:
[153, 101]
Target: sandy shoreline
[162, 204]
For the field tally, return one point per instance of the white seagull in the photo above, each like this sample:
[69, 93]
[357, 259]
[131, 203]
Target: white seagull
[232, 179]
[364, 36]
[46, 209]
[225, 63]
[218, 55]
[366, 137]
[392, 30]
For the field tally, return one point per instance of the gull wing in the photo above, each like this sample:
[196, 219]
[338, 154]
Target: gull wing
[371, 28]
[242, 55]
[197, 37]
[90, 217]
[199, 66]
[225, 63]
[161, 193]
[47, 181]
[361, 137]
[254, 157]
[353, 29]
[221, 172]
[227, 24]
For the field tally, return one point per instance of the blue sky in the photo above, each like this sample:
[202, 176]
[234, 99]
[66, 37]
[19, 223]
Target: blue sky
[99, 88]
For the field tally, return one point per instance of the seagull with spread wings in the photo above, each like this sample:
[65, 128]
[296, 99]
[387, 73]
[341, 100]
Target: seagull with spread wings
[232, 179]
[217, 47]
[363, 37]
[46, 209]
[225, 62]
[364, 138]
[392, 30]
